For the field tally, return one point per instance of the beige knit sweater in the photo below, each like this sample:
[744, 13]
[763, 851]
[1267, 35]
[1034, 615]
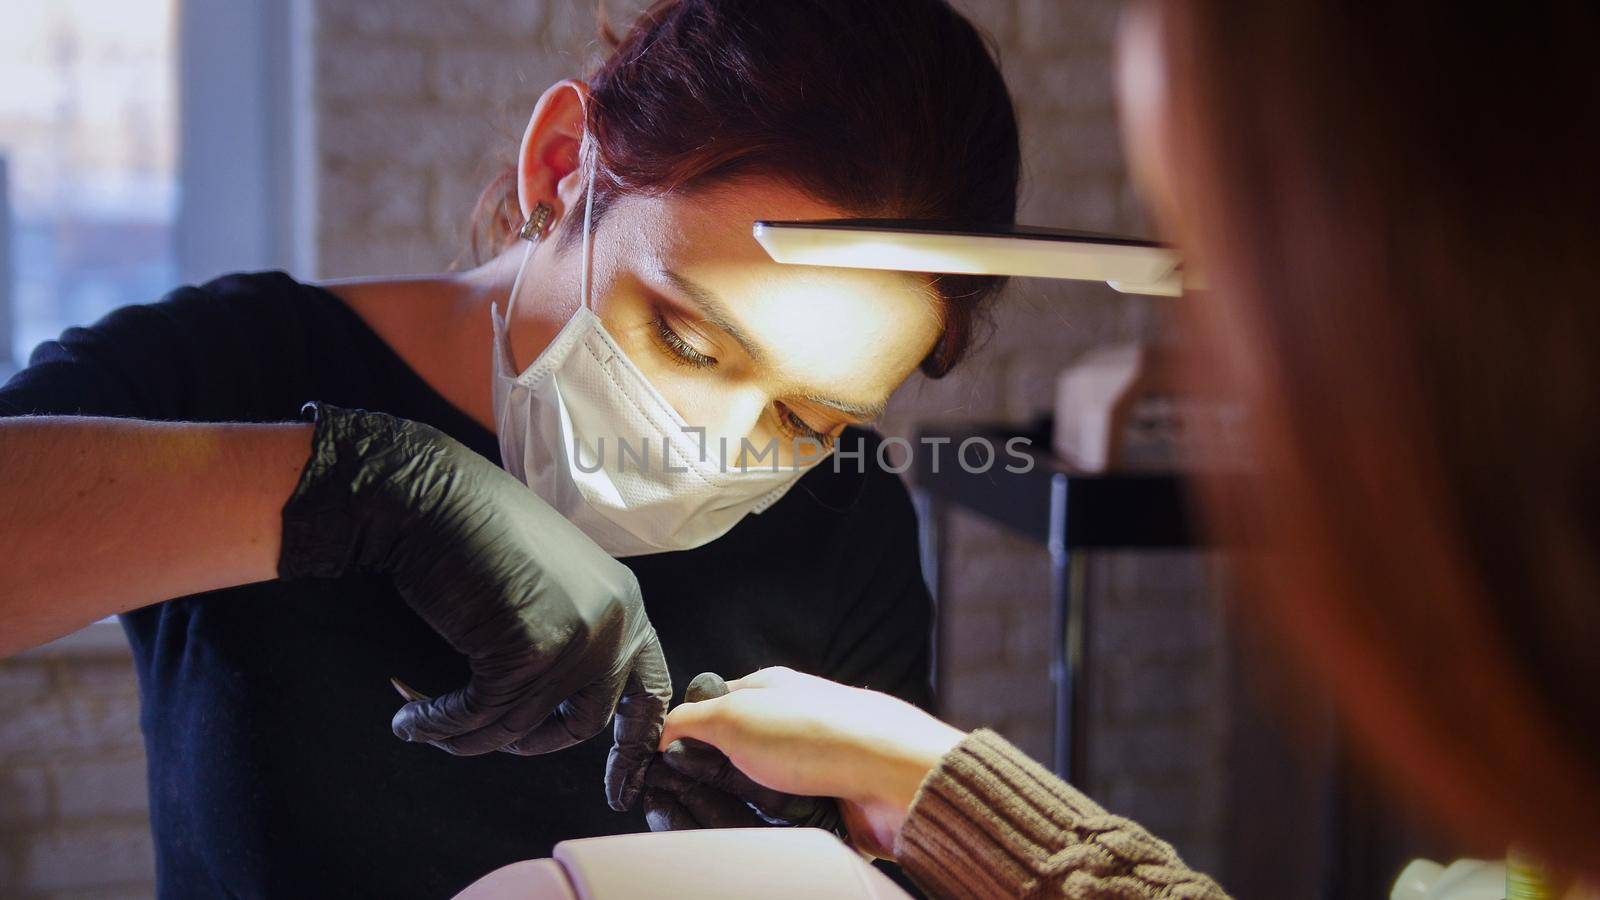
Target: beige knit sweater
[990, 822]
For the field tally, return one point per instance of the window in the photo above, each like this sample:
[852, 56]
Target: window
[88, 131]
[145, 144]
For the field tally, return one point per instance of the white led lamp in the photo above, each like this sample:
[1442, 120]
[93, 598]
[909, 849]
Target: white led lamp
[1129, 265]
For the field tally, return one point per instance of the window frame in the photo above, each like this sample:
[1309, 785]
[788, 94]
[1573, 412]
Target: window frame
[245, 147]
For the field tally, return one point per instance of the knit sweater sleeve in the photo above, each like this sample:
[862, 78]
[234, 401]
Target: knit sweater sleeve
[990, 822]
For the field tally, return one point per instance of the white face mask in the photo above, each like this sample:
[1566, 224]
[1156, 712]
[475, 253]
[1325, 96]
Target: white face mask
[592, 437]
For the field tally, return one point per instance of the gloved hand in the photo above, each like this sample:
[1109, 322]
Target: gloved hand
[694, 785]
[553, 628]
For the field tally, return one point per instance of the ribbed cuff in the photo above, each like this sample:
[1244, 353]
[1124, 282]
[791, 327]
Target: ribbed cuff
[990, 822]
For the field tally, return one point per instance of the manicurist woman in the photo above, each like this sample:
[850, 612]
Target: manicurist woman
[428, 517]
[1401, 245]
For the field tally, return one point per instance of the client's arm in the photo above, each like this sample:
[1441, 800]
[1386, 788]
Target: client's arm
[965, 815]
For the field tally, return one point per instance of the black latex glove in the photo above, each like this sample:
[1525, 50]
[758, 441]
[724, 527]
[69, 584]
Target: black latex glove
[695, 785]
[674, 802]
[553, 628]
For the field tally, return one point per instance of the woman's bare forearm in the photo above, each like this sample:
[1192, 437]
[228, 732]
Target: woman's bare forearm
[101, 516]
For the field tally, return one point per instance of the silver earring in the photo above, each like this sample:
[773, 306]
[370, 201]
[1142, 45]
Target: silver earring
[538, 221]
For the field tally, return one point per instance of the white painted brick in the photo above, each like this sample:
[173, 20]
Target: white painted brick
[1033, 735]
[24, 795]
[573, 29]
[1176, 689]
[522, 19]
[92, 790]
[1165, 749]
[412, 137]
[972, 638]
[371, 69]
[1048, 328]
[975, 536]
[107, 676]
[1029, 640]
[1030, 387]
[571, 25]
[999, 579]
[1133, 217]
[1052, 27]
[454, 191]
[1076, 146]
[971, 393]
[409, 19]
[23, 679]
[985, 696]
[343, 198]
[1188, 627]
[1079, 85]
[1148, 797]
[496, 76]
[91, 704]
[398, 253]
[1084, 202]
[126, 891]
[34, 730]
[88, 857]
[448, 225]
[392, 198]
[103, 724]
[1159, 570]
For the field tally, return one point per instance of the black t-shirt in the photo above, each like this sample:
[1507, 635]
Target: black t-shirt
[266, 707]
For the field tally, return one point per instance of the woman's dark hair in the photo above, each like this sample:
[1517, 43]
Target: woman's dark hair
[1397, 207]
[891, 108]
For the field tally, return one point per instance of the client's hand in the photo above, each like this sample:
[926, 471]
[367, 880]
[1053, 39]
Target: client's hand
[805, 735]
[693, 785]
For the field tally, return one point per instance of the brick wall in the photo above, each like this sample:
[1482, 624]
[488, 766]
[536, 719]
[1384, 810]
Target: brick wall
[73, 821]
[417, 105]
[416, 102]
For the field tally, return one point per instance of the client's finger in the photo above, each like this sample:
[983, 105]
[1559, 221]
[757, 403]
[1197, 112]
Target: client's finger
[709, 766]
[771, 676]
[692, 720]
[689, 803]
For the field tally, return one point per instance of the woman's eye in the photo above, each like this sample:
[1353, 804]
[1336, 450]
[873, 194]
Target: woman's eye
[797, 427]
[680, 349]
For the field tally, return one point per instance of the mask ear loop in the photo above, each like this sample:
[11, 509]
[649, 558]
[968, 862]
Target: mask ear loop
[532, 233]
[588, 237]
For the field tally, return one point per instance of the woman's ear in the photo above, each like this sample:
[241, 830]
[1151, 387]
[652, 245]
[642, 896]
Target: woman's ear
[550, 161]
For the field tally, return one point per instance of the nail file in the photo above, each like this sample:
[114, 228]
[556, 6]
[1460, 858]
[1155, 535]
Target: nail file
[412, 695]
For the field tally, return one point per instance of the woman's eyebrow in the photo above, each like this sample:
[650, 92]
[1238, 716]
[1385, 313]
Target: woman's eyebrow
[716, 313]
